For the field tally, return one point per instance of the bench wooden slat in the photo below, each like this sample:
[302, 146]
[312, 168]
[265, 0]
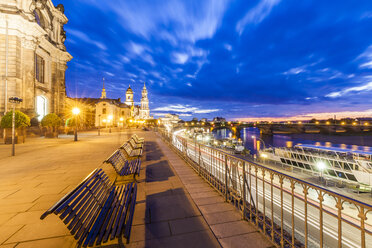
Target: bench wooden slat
[131, 213]
[89, 216]
[125, 165]
[95, 185]
[100, 219]
[121, 214]
[85, 210]
[109, 221]
[124, 213]
[83, 188]
[96, 209]
[96, 190]
[65, 198]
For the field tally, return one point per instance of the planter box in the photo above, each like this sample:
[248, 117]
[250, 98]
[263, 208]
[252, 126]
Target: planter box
[20, 136]
[18, 139]
[51, 135]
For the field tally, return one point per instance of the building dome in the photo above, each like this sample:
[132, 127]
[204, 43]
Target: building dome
[129, 90]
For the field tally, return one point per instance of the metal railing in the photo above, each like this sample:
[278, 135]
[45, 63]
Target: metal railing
[290, 211]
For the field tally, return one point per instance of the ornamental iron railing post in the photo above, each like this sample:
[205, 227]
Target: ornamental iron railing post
[244, 192]
[195, 151]
[306, 189]
[199, 159]
[320, 198]
[226, 186]
[281, 212]
[250, 187]
[363, 217]
[220, 162]
[263, 201]
[272, 206]
[256, 185]
[339, 218]
[293, 214]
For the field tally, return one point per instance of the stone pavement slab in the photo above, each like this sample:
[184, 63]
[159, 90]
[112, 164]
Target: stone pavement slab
[43, 171]
[175, 207]
[221, 217]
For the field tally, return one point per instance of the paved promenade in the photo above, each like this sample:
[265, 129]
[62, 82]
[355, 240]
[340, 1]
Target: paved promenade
[175, 207]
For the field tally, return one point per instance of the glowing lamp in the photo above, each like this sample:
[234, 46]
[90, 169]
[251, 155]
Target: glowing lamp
[121, 119]
[76, 111]
[321, 165]
[110, 117]
[263, 155]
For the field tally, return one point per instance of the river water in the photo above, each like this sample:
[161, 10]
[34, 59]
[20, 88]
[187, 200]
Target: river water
[355, 142]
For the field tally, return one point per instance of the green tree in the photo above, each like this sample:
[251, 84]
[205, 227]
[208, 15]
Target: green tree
[21, 120]
[51, 120]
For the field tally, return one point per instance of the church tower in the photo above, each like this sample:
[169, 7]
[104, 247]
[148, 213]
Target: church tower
[103, 94]
[129, 97]
[144, 110]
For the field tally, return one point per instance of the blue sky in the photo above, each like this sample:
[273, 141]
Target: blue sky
[237, 59]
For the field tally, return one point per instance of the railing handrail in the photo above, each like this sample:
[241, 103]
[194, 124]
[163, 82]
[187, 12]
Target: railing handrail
[330, 192]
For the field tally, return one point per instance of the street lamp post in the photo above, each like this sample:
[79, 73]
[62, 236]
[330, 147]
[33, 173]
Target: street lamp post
[121, 123]
[14, 100]
[99, 125]
[76, 112]
[110, 117]
[321, 166]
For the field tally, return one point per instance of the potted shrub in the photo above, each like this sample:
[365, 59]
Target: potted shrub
[21, 121]
[51, 122]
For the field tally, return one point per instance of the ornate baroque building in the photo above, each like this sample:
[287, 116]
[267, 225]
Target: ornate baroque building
[144, 112]
[33, 56]
[116, 113]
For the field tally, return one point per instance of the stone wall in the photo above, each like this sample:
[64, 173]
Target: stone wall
[26, 38]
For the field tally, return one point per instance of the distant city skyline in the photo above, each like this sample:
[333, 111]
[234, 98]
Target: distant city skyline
[236, 59]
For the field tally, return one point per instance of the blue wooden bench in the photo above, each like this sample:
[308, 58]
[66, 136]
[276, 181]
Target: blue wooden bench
[134, 145]
[130, 152]
[124, 165]
[137, 139]
[97, 210]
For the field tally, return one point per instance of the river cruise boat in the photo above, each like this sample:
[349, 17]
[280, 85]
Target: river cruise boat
[352, 166]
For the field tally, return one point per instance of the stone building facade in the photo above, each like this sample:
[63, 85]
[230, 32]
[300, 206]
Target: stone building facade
[33, 56]
[113, 112]
[144, 112]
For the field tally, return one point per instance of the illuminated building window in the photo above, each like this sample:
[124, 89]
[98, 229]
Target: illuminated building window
[39, 68]
[41, 107]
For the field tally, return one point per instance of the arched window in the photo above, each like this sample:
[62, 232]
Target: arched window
[41, 107]
[39, 18]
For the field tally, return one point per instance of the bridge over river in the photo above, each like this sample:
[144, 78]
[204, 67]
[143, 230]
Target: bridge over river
[283, 128]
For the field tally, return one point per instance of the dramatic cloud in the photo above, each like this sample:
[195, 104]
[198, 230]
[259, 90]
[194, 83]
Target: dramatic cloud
[183, 109]
[363, 88]
[261, 58]
[257, 14]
